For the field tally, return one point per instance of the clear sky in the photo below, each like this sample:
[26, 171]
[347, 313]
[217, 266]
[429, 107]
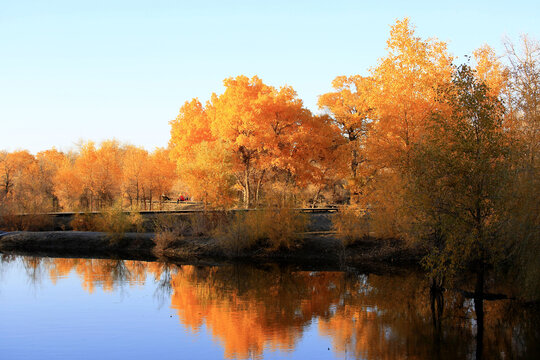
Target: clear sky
[101, 69]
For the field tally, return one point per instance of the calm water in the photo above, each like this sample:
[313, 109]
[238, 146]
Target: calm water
[112, 309]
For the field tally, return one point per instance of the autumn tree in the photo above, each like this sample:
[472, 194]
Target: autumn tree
[49, 162]
[158, 176]
[68, 186]
[523, 115]
[351, 110]
[320, 156]
[208, 174]
[258, 125]
[461, 172]
[20, 187]
[490, 70]
[14, 167]
[134, 164]
[407, 81]
[99, 171]
[254, 121]
[202, 163]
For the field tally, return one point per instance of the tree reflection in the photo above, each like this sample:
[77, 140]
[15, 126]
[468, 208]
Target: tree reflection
[250, 309]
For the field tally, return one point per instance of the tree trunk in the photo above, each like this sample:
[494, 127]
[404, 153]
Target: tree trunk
[437, 309]
[257, 192]
[479, 309]
[246, 189]
[137, 194]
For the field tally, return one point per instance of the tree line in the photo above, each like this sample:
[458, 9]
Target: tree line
[89, 179]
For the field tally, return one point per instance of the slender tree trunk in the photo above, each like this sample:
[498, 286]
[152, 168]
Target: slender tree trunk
[246, 189]
[137, 193]
[316, 197]
[257, 192]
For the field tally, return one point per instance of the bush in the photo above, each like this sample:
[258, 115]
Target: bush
[350, 224]
[136, 220]
[113, 220]
[283, 227]
[83, 222]
[200, 224]
[13, 217]
[279, 228]
[205, 223]
[163, 241]
[168, 229]
[236, 235]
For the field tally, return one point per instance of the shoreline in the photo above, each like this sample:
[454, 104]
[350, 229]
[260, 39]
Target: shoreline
[321, 249]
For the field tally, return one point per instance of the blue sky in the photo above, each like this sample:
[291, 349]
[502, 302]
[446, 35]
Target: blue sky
[95, 70]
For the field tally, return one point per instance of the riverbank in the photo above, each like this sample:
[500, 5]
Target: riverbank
[317, 248]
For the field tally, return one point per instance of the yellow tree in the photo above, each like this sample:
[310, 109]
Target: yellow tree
[12, 167]
[257, 123]
[350, 108]
[238, 122]
[159, 175]
[135, 160]
[283, 132]
[68, 185]
[190, 127]
[100, 172]
[320, 155]
[19, 187]
[49, 161]
[208, 174]
[490, 70]
[201, 161]
[407, 83]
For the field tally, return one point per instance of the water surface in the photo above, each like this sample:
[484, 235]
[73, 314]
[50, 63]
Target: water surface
[57, 308]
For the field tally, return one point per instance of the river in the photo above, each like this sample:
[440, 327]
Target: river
[58, 308]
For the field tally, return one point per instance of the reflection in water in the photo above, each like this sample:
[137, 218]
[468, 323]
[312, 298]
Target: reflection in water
[249, 310]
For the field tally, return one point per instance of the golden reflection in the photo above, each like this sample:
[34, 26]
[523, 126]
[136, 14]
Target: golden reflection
[102, 273]
[248, 309]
